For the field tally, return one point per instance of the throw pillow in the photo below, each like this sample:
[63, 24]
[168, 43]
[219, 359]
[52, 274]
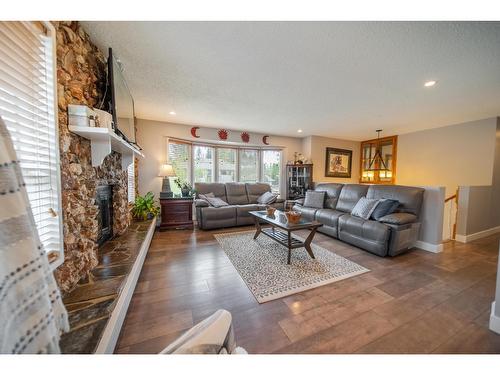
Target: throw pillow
[385, 207]
[267, 198]
[216, 202]
[364, 208]
[314, 199]
[398, 218]
[205, 196]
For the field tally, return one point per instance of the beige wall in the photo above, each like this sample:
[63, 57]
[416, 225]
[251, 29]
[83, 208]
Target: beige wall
[450, 156]
[152, 136]
[479, 206]
[314, 148]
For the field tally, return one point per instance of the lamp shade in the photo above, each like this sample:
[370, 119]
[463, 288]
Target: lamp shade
[166, 170]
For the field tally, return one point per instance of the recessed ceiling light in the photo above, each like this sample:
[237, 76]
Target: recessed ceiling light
[299, 131]
[172, 113]
[430, 83]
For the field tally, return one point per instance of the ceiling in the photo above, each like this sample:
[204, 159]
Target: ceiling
[335, 79]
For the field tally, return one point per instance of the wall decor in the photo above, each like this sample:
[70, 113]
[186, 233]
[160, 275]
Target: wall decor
[223, 134]
[245, 137]
[338, 163]
[264, 139]
[194, 129]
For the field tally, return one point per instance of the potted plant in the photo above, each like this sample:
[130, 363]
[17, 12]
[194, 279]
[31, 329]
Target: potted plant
[145, 208]
[185, 187]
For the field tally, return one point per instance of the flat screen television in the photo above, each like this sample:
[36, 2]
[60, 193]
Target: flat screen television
[121, 102]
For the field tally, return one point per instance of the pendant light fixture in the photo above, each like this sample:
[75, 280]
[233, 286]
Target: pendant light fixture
[377, 163]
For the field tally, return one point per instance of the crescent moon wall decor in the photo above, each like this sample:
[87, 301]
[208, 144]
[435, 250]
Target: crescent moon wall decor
[193, 131]
[264, 139]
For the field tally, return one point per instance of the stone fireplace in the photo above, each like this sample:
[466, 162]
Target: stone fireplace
[81, 79]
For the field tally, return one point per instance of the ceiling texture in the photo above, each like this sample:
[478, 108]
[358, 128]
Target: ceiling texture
[334, 79]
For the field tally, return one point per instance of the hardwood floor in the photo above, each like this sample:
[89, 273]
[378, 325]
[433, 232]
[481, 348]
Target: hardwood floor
[418, 302]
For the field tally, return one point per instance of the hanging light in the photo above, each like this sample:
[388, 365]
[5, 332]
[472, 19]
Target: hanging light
[380, 166]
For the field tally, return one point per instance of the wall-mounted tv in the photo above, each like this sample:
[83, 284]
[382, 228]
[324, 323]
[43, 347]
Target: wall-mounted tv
[121, 101]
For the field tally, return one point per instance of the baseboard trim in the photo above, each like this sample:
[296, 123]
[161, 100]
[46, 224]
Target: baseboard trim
[433, 248]
[113, 327]
[494, 320]
[476, 236]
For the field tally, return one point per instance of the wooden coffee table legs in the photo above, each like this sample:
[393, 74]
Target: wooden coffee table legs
[307, 242]
[286, 239]
[258, 228]
[289, 247]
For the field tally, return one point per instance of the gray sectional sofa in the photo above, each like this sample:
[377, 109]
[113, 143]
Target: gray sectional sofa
[241, 197]
[397, 234]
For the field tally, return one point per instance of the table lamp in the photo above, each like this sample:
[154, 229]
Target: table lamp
[166, 171]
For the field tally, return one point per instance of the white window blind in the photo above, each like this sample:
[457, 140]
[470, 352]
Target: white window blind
[179, 155]
[131, 181]
[27, 99]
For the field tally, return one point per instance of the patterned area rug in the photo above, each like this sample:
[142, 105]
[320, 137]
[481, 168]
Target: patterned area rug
[262, 265]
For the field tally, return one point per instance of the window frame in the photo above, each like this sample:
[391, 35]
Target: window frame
[214, 162]
[238, 148]
[237, 163]
[47, 29]
[281, 168]
[258, 158]
[189, 162]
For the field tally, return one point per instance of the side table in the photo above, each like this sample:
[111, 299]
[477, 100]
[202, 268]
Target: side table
[176, 212]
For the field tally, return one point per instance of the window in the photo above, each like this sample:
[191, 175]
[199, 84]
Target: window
[131, 181]
[27, 105]
[179, 155]
[227, 165]
[203, 163]
[249, 165]
[271, 168]
[206, 163]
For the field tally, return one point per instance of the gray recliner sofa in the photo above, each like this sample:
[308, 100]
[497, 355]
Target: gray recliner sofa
[397, 234]
[241, 197]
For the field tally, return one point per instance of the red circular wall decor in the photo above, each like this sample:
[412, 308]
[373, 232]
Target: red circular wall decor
[264, 139]
[245, 137]
[222, 133]
[193, 131]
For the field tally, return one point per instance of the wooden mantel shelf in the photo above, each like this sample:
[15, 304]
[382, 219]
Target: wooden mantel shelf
[103, 141]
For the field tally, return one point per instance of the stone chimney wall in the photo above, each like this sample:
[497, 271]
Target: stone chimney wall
[81, 79]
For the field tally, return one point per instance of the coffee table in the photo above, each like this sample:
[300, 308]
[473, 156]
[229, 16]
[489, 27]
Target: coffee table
[281, 230]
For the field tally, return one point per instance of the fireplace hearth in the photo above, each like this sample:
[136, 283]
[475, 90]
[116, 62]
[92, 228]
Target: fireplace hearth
[104, 200]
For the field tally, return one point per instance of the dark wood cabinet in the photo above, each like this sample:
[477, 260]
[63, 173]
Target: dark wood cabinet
[298, 180]
[176, 213]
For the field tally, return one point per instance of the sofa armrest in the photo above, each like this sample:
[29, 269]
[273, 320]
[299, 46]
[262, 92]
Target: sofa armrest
[201, 203]
[399, 218]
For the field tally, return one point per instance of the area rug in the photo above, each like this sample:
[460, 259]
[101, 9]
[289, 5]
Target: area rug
[262, 265]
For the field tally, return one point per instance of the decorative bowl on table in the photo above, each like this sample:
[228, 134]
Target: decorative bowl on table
[293, 217]
[270, 210]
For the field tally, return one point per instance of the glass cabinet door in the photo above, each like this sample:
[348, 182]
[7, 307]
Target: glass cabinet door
[386, 151]
[378, 171]
[367, 153]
